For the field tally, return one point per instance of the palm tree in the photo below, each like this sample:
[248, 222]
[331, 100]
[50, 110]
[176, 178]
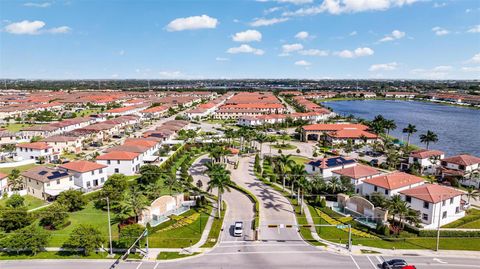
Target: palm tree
[284, 161]
[304, 185]
[297, 171]
[393, 158]
[389, 125]
[395, 205]
[318, 183]
[137, 201]
[472, 193]
[261, 138]
[222, 183]
[172, 183]
[429, 137]
[334, 185]
[409, 130]
[14, 180]
[271, 139]
[413, 217]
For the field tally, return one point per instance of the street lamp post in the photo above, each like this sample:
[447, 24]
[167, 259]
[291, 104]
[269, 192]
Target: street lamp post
[439, 219]
[109, 227]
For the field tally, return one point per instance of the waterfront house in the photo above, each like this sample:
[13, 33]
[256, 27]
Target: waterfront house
[464, 167]
[327, 166]
[357, 174]
[390, 184]
[427, 160]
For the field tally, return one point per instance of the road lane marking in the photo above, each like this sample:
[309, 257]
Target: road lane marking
[356, 264]
[140, 264]
[263, 252]
[374, 266]
[439, 261]
[156, 265]
[380, 260]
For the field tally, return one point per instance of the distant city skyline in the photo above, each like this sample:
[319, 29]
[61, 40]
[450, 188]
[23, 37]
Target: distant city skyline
[278, 39]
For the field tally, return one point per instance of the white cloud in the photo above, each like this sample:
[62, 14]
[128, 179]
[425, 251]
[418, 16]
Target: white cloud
[471, 69]
[358, 52]
[192, 23]
[438, 72]
[313, 52]
[170, 74]
[474, 29]
[40, 5]
[439, 5]
[60, 30]
[296, 2]
[244, 48]
[349, 6]
[267, 22]
[440, 31]
[121, 52]
[354, 33]
[271, 10]
[247, 36]
[302, 35]
[33, 28]
[302, 63]
[475, 59]
[287, 48]
[222, 59]
[396, 34]
[383, 67]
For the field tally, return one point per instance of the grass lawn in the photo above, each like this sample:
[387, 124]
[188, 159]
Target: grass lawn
[215, 230]
[300, 159]
[285, 146]
[470, 221]
[446, 243]
[30, 202]
[183, 236]
[173, 255]
[8, 170]
[52, 255]
[15, 127]
[89, 215]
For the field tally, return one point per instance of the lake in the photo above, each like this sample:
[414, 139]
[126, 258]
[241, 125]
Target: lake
[458, 128]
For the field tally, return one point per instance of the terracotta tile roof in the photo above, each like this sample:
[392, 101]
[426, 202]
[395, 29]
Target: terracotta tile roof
[463, 159]
[425, 153]
[2, 176]
[129, 148]
[394, 180]
[34, 145]
[82, 166]
[155, 109]
[432, 193]
[352, 133]
[334, 127]
[60, 138]
[331, 162]
[358, 171]
[118, 155]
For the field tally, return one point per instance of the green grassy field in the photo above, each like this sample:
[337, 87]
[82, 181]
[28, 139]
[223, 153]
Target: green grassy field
[15, 127]
[8, 170]
[470, 221]
[30, 202]
[283, 146]
[215, 230]
[173, 255]
[52, 255]
[300, 159]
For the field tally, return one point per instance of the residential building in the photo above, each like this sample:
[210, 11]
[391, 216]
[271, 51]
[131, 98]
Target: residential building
[427, 160]
[357, 175]
[60, 143]
[326, 166]
[120, 162]
[46, 182]
[87, 175]
[390, 184]
[35, 150]
[465, 167]
[7, 138]
[3, 183]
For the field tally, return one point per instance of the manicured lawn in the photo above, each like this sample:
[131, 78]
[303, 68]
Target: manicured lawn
[300, 159]
[216, 228]
[30, 202]
[89, 215]
[283, 146]
[183, 236]
[8, 170]
[52, 255]
[470, 221]
[15, 127]
[173, 255]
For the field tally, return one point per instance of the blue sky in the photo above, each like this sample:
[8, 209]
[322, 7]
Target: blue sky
[317, 39]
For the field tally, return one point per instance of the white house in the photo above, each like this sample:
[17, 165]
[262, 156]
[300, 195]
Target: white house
[464, 166]
[87, 175]
[326, 166]
[427, 159]
[437, 204]
[3, 183]
[390, 184]
[7, 138]
[46, 182]
[357, 174]
[120, 162]
[60, 143]
[35, 150]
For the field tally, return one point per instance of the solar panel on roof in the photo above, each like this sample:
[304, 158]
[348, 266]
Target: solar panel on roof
[43, 172]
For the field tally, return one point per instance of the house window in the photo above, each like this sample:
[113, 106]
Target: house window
[375, 188]
[425, 216]
[313, 168]
[71, 178]
[116, 170]
[444, 202]
[88, 184]
[451, 201]
[58, 181]
[461, 167]
[426, 205]
[408, 199]
[108, 161]
[386, 192]
[457, 210]
[444, 215]
[100, 171]
[48, 184]
[118, 162]
[93, 172]
[102, 179]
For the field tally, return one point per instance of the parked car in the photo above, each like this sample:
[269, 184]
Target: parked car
[95, 144]
[409, 267]
[374, 162]
[238, 228]
[394, 264]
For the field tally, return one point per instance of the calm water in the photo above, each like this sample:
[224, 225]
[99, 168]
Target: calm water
[458, 128]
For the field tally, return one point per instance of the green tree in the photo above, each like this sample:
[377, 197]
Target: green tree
[409, 130]
[389, 125]
[72, 200]
[14, 218]
[85, 237]
[429, 137]
[15, 201]
[114, 188]
[221, 181]
[31, 238]
[472, 194]
[55, 217]
[149, 174]
[128, 234]
[14, 180]
[282, 164]
[378, 200]
[135, 202]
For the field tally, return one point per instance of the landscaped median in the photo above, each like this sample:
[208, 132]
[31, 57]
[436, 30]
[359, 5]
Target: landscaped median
[254, 199]
[215, 230]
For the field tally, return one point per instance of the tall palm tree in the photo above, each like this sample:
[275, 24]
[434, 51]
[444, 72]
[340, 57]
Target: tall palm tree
[172, 183]
[334, 185]
[222, 183]
[472, 193]
[429, 137]
[134, 203]
[389, 125]
[271, 139]
[284, 161]
[318, 183]
[394, 205]
[261, 138]
[409, 130]
[304, 185]
[297, 171]
[413, 217]
[14, 180]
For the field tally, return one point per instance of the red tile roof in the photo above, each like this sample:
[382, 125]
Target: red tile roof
[358, 171]
[118, 155]
[2, 176]
[82, 166]
[425, 153]
[352, 133]
[432, 193]
[463, 159]
[334, 127]
[394, 180]
[34, 145]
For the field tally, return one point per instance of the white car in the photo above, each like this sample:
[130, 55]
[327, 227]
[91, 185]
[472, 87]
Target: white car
[238, 228]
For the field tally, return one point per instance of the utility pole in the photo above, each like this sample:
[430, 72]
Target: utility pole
[350, 237]
[109, 227]
[439, 219]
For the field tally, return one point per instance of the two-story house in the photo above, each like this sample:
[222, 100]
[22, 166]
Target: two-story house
[46, 182]
[87, 175]
[465, 167]
[357, 174]
[120, 162]
[60, 143]
[36, 151]
[326, 166]
[427, 160]
[390, 184]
